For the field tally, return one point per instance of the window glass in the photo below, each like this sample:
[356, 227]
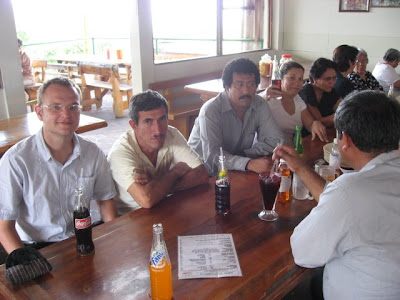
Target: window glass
[187, 29]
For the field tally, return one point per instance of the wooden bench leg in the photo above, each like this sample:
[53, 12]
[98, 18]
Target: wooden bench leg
[117, 104]
[99, 97]
[86, 99]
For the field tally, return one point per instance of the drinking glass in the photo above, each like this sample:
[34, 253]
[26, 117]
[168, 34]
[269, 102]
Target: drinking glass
[327, 172]
[269, 185]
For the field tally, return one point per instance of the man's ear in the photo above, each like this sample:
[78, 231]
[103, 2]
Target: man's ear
[347, 142]
[132, 124]
[39, 112]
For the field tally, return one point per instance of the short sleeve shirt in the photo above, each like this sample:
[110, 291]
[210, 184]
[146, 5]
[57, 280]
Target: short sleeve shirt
[125, 156]
[38, 192]
[287, 123]
[359, 84]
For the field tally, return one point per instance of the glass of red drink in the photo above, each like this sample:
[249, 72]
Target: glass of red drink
[269, 185]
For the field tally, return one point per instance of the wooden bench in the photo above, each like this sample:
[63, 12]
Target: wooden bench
[109, 80]
[182, 117]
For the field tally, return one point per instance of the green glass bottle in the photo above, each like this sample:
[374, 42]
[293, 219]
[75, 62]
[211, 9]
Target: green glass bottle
[298, 140]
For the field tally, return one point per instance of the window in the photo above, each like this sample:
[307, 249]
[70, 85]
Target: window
[187, 29]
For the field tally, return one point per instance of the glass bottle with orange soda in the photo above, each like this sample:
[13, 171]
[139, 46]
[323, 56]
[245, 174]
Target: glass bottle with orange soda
[283, 193]
[160, 266]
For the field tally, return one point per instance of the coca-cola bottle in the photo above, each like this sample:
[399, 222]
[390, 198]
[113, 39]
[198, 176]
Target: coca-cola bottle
[83, 225]
[222, 188]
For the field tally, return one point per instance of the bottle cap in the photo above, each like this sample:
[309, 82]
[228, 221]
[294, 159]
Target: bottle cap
[299, 127]
[281, 160]
[286, 55]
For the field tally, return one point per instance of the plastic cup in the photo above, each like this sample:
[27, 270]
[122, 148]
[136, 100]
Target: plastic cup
[299, 190]
[327, 172]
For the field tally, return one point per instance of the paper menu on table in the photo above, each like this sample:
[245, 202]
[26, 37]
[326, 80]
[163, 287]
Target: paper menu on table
[207, 256]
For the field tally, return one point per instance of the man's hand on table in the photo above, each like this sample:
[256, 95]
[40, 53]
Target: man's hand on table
[259, 165]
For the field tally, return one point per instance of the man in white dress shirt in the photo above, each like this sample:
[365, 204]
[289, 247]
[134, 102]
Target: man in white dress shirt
[38, 175]
[354, 231]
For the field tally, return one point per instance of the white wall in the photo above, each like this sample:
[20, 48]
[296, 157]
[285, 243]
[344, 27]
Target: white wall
[313, 28]
[12, 98]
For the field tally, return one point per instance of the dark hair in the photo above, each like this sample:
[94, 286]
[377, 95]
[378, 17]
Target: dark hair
[240, 66]
[60, 81]
[319, 67]
[287, 66]
[145, 101]
[342, 55]
[371, 120]
[392, 55]
[20, 43]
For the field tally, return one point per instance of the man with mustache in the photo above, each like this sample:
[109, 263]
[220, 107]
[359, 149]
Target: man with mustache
[237, 120]
[152, 159]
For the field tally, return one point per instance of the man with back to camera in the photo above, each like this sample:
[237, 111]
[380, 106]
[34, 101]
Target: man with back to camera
[231, 121]
[385, 71]
[152, 159]
[354, 229]
[38, 175]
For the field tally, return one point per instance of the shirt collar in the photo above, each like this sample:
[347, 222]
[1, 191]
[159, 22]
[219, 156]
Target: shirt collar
[45, 153]
[226, 105]
[381, 159]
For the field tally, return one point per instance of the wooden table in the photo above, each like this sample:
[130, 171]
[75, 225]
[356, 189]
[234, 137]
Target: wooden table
[119, 267]
[211, 88]
[13, 130]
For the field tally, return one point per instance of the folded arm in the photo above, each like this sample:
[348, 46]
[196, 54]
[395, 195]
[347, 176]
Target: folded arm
[192, 178]
[9, 237]
[149, 194]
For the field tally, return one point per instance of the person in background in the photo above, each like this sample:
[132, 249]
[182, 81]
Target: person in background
[353, 231]
[360, 77]
[39, 175]
[291, 109]
[319, 95]
[152, 159]
[26, 65]
[345, 58]
[385, 71]
[233, 119]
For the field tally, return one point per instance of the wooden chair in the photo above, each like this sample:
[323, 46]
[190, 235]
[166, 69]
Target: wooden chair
[109, 80]
[39, 70]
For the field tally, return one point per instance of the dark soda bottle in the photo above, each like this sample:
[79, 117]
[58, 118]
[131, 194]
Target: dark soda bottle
[222, 188]
[83, 226]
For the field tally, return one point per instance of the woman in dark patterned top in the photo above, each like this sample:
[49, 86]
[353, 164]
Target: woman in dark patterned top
[321, 98]
[360, 77]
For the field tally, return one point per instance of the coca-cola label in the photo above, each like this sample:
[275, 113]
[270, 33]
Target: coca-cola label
[156, 258]
[83, 223]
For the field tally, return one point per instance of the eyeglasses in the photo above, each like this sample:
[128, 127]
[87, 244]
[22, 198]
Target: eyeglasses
[241, 84]
[362, 61]
[329, 78]
[59, 107]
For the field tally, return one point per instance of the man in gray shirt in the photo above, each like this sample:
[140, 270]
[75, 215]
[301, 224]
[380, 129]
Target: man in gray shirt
[233, 119]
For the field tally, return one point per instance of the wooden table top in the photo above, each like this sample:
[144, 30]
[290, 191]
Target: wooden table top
[119, 267]
[15, 129]
[211, 88]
